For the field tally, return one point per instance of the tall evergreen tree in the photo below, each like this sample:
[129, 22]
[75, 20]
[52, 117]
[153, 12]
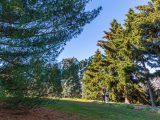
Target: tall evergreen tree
[94, 78]
[38, 28]
[120, 65]
[112, 46]
[146, 43]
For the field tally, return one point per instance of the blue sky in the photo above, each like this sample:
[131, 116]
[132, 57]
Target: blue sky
[84, 45]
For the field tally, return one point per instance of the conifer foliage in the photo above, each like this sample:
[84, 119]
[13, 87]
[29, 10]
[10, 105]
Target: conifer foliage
[37, 29]
[132, 49]
[94, 78]
[120, 66]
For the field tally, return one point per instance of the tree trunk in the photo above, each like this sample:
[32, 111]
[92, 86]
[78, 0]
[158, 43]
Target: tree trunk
[126, 95]
[151, 93]
[127, 100]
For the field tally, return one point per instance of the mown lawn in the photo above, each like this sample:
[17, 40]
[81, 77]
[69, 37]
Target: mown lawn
[93, 110]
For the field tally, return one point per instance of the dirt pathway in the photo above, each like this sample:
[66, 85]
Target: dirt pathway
[40, 113]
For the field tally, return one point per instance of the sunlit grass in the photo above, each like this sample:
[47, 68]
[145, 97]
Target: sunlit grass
[96, 110]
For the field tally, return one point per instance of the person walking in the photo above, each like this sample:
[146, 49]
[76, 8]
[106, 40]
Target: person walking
[105, 96]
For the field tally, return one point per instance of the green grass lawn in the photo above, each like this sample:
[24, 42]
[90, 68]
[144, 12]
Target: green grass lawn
[94, 110]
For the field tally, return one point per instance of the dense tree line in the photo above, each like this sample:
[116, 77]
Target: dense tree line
[32, 34]
[131, 50]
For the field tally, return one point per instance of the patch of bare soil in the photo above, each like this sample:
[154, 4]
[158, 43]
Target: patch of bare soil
[39, 113]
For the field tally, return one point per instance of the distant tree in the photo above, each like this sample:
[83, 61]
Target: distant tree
[71, 78]
[38, 77]
[55, 77]
[94, 78]
[83, 66]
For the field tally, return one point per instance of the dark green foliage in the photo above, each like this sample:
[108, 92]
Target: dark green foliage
[45, 79]
[36, 29]
[55, 77]
[71, 79]
[94, 78]
[40, 27]
[41, 80]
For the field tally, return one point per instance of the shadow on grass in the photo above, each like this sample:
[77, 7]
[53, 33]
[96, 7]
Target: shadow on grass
[90, 110]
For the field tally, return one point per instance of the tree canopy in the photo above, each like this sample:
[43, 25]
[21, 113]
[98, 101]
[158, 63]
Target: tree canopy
[36, 30]
[133, 49]
[36, 27]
